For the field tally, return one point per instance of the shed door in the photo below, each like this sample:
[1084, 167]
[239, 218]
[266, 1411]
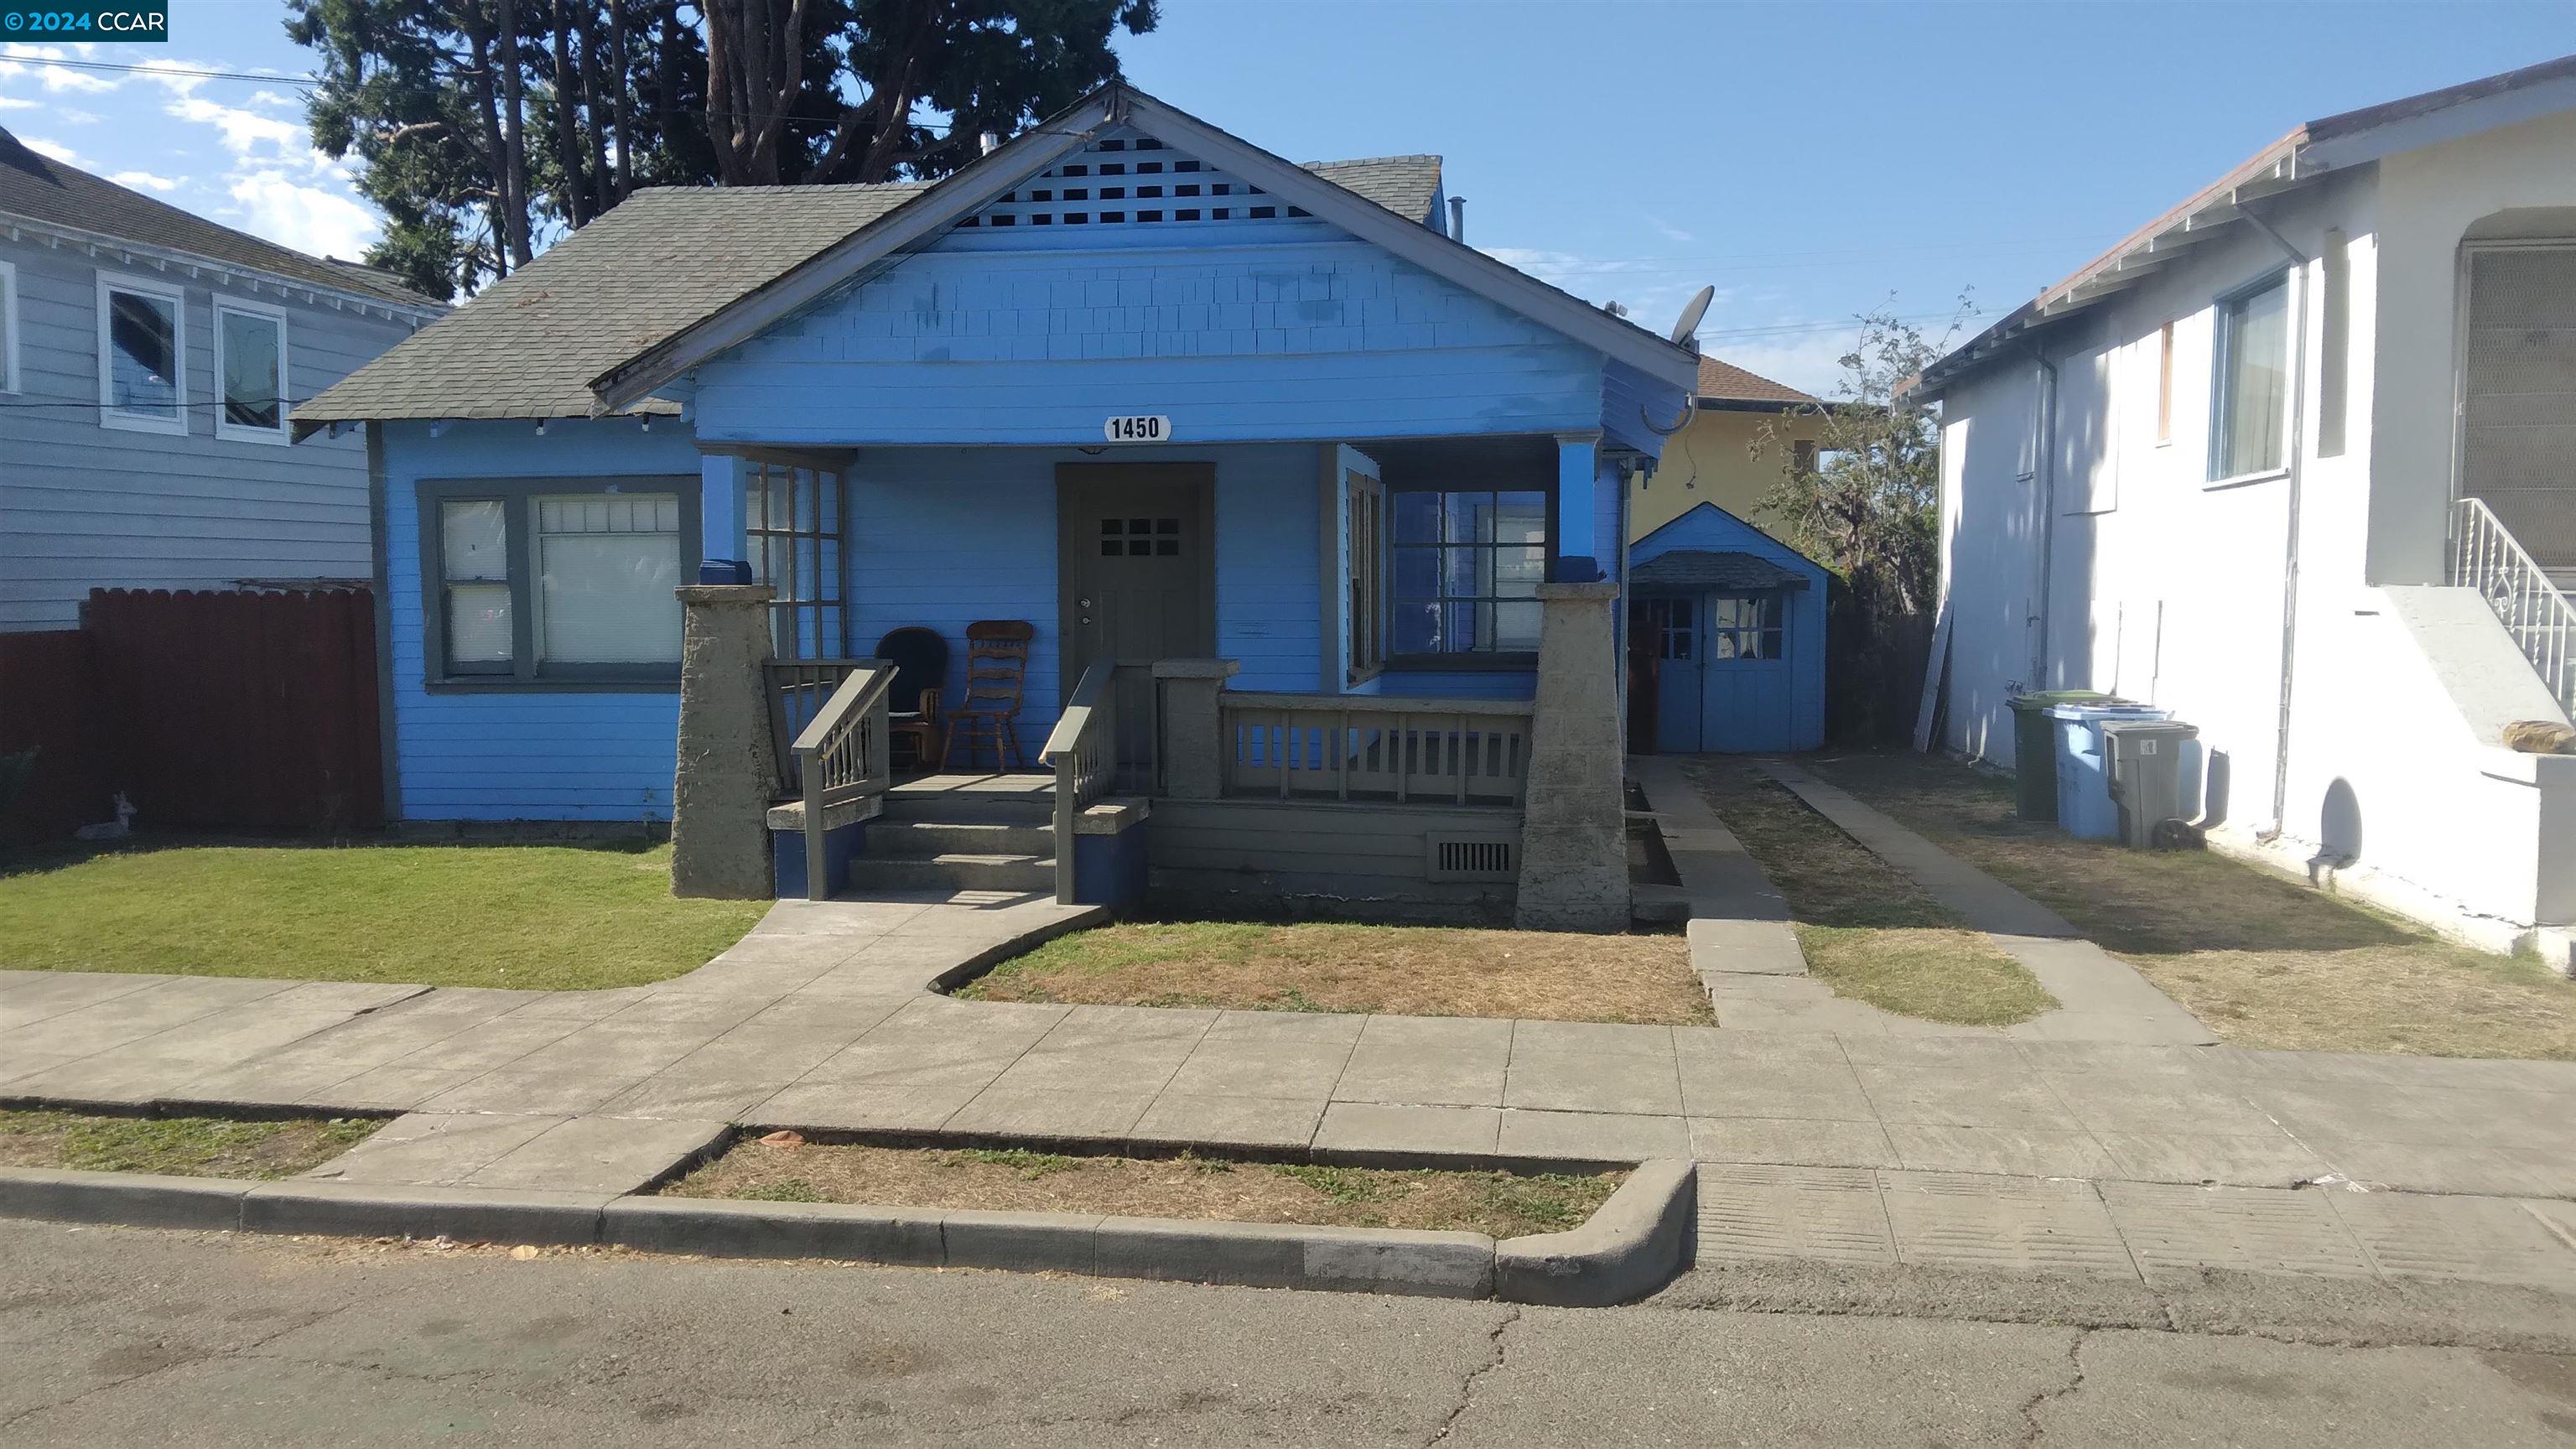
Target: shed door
[1137, 579]
[1667, 628]
[1744, 645]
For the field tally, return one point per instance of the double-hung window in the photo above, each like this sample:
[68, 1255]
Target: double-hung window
[2250, 408]
[1467, 564]
[250, 372]
[142, 356]
[556, 581]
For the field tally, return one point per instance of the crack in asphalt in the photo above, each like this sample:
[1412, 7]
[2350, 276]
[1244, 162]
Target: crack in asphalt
[1467, 1385]
[2032, 1433]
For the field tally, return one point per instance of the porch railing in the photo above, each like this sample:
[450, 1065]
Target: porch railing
[1083, 750]
[1360, 747]
[2485, 557]
[840, 757]
[797, 690]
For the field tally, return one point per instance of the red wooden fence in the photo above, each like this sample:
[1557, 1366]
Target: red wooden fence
[251, 711]
[47, 705]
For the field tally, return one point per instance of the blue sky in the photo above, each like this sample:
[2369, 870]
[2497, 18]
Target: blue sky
[1811, 161]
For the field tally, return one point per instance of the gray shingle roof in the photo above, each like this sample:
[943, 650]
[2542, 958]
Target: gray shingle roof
[1714, 569]
[42, 189]
[665, 259]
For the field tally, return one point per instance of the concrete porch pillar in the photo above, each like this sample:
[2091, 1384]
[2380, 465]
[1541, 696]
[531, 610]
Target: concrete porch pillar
[1193, 744]
[1574, 846]
[727, 775]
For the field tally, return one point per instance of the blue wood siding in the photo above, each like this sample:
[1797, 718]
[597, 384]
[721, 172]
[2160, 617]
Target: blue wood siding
[1760, 705]
[84, 506]
[541, 755]
[1327, 339]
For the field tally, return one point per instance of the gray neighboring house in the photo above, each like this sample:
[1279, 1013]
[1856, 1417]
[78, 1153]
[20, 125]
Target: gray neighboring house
[143, 439]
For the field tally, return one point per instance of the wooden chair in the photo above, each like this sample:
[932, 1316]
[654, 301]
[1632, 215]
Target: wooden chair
[997, 668]
[920, 660]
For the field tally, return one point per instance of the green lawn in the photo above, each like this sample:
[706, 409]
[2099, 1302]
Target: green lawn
[543, 917]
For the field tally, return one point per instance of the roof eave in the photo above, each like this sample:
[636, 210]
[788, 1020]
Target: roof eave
[12, 223]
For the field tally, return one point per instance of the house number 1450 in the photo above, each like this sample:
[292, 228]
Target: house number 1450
[1142, 428]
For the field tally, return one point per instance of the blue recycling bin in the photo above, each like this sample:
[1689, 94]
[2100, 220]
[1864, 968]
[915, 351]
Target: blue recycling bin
[2085, 809]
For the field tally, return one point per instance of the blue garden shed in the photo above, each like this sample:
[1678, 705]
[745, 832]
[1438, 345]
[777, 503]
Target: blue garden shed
[1726, 639]
[1128, 387]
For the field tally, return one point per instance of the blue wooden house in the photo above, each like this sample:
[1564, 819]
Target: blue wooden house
[1726, 639]
[1127, 379]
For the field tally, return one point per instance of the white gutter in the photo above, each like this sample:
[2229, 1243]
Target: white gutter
[162, 259]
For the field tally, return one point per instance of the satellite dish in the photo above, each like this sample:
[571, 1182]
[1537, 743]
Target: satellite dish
[1695, 310]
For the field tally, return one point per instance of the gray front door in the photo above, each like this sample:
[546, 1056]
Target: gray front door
[1137, 570]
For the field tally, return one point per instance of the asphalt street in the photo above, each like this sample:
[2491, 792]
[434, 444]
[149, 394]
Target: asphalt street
[131, 1337]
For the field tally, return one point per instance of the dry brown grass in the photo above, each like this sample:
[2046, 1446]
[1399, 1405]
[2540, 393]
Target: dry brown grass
[1413, 970]
[2263, 959]
[186, 1146]
[1500, 1204]
[1869, 932]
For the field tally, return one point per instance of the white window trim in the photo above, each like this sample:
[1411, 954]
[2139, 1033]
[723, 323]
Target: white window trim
[9, 343]
[108, 416]
[236, 432]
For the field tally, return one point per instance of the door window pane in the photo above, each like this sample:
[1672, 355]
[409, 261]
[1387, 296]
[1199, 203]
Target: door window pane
[2254, 381]
[143, 354]
[474, 559]
[253, 348]
[607, 567]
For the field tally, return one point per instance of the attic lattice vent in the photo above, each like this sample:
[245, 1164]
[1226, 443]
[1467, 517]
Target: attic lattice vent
[1473, 857]
[1128, 181]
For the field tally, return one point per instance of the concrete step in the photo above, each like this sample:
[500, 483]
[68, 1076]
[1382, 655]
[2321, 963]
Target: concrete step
[899, 839]
[977, 807]
[956, 871]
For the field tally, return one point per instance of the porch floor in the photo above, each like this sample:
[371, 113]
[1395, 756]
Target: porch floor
[929, 789]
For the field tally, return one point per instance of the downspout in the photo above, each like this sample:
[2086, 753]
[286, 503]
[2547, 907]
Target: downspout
[2290, 548]
[2043, 462]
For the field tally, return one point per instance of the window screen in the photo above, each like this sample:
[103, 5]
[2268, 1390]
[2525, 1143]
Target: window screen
[608, 568]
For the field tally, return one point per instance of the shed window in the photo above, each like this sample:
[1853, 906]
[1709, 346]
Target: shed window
[551, 582]
[1467, 567]
[142, 341]
[2253, 381]
[1666, 620]
[1744, 626]
[250, 367]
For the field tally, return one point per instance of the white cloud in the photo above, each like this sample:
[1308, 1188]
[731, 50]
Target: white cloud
[1807, 360]
[247, 133]
[75, 116]
[13, 103]
[31, 60]
[1667, 230]
[306, 218]
[144, 180]
[56, 150]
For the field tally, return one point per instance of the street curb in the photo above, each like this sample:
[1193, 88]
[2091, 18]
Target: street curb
[470, 1214]
[723, 1228]
[135, 1199]
[1635, 1243]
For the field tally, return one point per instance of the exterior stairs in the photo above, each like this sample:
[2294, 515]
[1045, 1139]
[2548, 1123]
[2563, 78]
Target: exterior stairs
[961, 833]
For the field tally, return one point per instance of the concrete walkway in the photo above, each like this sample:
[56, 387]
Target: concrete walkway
[819, 1019]
[2099, 996]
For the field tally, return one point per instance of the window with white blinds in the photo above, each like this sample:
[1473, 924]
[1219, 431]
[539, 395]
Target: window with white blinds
[607, 567]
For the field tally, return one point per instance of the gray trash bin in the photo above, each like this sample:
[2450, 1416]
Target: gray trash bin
[2145, 757]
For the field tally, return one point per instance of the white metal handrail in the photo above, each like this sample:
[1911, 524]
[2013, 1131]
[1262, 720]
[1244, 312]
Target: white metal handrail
[2487, 558]
[1375, 747]
[1083, 749]
[840, 757]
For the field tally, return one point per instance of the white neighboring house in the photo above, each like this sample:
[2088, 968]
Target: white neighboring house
[144, 434]
[2297, 461]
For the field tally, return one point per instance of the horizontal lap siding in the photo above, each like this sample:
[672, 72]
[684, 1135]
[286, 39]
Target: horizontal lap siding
[539, 755]
[1321, 340]
[941, 537]
[85, 506]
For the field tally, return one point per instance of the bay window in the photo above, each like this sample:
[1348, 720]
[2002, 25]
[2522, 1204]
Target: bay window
[142, 351]
[556, 582]
[1466, 566]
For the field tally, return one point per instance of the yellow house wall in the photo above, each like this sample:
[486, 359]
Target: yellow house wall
[1712, 460]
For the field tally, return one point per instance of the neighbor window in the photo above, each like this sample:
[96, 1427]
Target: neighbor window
[537, 585]
[250, 372]
[142, 341]
[1744, 626]
[2253, 382]
[2164, 383]
[8, 328]
[1467, 567]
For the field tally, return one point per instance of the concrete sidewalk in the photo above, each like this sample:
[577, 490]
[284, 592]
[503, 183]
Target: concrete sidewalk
[819, 1019]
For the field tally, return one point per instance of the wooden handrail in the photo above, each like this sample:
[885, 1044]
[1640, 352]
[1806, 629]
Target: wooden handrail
[1083, 749]
[1373, 703]
[841, 756]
